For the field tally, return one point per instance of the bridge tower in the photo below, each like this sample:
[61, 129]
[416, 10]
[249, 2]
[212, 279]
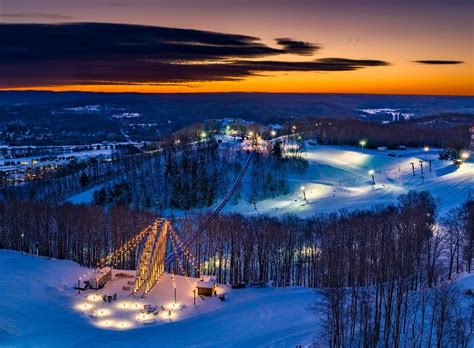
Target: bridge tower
[152, 259]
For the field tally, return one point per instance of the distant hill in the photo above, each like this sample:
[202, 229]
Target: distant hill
[78, 115]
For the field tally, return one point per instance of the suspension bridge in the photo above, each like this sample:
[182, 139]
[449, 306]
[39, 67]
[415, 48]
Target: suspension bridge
[153, 247]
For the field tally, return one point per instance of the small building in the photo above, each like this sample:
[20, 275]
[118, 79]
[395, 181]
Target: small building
[99, 279]
[206, 286]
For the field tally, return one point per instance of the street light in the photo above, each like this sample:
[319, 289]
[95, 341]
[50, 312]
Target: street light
[426, 149]
[304, 192]
[372, 173]
[203, 135]
[464, 155]
[273, 133]
[362, 143]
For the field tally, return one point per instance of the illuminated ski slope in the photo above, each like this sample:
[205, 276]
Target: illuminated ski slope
[338, 177]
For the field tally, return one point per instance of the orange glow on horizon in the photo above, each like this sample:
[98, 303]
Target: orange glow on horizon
[397, 32]
[383, 80]
[400, 77]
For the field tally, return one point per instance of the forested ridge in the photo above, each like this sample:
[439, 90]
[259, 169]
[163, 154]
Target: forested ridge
[377, 270]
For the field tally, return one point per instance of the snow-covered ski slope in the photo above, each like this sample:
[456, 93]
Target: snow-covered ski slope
[338, 178]
[38, 308]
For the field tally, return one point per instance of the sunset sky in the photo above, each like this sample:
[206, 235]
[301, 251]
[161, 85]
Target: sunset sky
[398, 47]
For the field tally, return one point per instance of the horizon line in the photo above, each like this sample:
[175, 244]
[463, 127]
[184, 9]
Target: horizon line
[236, 92]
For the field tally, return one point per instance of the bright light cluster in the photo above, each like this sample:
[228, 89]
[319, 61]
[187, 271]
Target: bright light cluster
[125, 314]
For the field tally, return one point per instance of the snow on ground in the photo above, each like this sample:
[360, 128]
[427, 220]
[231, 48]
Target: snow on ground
[39, 307]
[85, 197]
[337, 177]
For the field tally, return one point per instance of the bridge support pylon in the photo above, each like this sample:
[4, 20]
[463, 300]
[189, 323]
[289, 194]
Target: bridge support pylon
[152, 259]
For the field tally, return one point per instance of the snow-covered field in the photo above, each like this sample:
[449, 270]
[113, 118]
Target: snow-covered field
[85, 197]
[338, 177]
[40, 308]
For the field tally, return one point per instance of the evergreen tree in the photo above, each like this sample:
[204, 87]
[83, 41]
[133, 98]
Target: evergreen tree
[84, 179]
[277, 151]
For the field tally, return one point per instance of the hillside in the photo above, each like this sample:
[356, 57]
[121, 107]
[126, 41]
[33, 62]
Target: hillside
[37, 306]
[85, 117]
[338, 178]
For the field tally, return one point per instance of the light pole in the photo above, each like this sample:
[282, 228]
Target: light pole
[426, 149]
[464, 156]
[273, 133]
[372, 173]
[203, 135]
[194, 292]
[362, 143]
[304, 192]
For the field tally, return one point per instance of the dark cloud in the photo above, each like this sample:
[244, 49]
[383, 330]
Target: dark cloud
[298, 47]
[439, 62]
[324, 64]
[100, 53]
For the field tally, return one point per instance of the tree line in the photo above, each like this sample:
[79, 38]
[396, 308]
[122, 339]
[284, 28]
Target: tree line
[383, 275]
[351, 132]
